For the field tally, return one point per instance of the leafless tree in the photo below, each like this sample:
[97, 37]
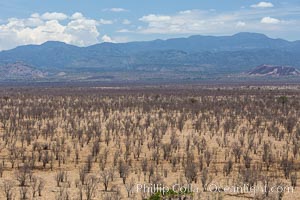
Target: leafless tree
[106, 177]
[129, 186]
[22, 175]
[205, 179]
[24, 192]
[191, 172]
[91, 183]
[41, 186]
[8, 189]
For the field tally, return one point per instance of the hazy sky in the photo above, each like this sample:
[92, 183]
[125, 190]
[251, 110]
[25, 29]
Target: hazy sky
[86, 22]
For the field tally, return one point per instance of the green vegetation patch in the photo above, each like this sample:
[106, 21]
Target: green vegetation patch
[170, 193]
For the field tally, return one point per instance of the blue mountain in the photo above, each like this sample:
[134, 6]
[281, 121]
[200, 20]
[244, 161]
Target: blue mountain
[202, 55]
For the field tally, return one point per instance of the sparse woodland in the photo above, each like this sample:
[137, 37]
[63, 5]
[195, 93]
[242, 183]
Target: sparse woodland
[98, 143]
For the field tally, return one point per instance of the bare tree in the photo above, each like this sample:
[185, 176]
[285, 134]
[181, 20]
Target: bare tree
[294, 180]
[8, 189]
[34, 186]
[205, 179]
[41, 186]
[191, 172]
[24, 192]
[83, 174]
[227, 169]
[22, 175]
[1, 169]
[237, 151]
[91, 183]
[123, 170]
[129, 186]
[60, 177]
[106, 177]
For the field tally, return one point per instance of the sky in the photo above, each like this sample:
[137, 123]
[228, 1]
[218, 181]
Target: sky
[88, 22]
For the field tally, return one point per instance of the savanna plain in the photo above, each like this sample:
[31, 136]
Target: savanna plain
[168, 142]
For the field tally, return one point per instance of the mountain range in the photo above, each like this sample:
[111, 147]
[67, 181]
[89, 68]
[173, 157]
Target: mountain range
[268, 70]
[193, 58]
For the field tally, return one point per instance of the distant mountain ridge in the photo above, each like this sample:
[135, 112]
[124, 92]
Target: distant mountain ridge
[19, 70]
[194, 57]
[268, 70]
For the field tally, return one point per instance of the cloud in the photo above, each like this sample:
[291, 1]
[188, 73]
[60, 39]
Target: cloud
[84, 31]
[35, 15]
[105, 22]
[30, 22]
[156, 18]
[54, 16]
[269, 20]
[219, 23]
[240, 24]
[185, 12]
[123, 31]
[116, 9]
[126, 22]
[106, 38]
[263, 5]
[36, 29]
[77, 15]
[191, 21]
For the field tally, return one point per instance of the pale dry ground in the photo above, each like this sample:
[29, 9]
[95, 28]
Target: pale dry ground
[174, 175]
